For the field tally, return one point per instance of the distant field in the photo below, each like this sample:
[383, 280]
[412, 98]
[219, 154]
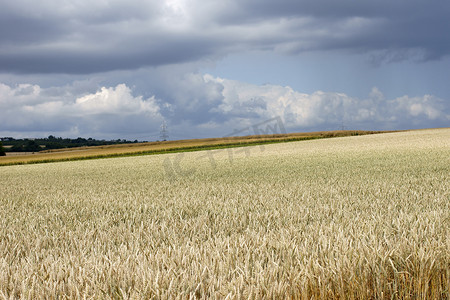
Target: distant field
[81, 153]
[357, 217]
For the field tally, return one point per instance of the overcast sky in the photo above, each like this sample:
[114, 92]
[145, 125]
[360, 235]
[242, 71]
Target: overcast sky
[117, 68]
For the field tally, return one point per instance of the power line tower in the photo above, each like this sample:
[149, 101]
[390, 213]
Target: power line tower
[164, 134]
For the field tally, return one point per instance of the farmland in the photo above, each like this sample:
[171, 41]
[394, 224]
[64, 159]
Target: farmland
[362, 217]
[131, 149]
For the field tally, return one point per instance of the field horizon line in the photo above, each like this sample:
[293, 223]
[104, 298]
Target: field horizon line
[235, 142]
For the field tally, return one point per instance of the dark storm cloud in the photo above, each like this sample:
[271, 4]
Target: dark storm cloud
[255, 9]
[385, 26]
[21, 31]
[90, 36]
[155, 52]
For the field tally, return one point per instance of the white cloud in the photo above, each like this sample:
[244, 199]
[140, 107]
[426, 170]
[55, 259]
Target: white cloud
[326, 110]
[19, 95]
[110, 111]
[198, 105]
[428, 107]
[115, 100]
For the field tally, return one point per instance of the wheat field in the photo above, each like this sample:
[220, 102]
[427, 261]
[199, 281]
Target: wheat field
[150, 148]
[363, 217]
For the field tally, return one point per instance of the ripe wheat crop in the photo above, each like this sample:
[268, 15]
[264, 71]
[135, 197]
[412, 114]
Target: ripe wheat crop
[149, 148]
[364, 217]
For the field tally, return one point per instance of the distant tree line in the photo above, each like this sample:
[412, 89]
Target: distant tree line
[52, 142]
[2, 150]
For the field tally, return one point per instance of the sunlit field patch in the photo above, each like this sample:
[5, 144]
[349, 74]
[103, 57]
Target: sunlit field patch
[363, 217]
